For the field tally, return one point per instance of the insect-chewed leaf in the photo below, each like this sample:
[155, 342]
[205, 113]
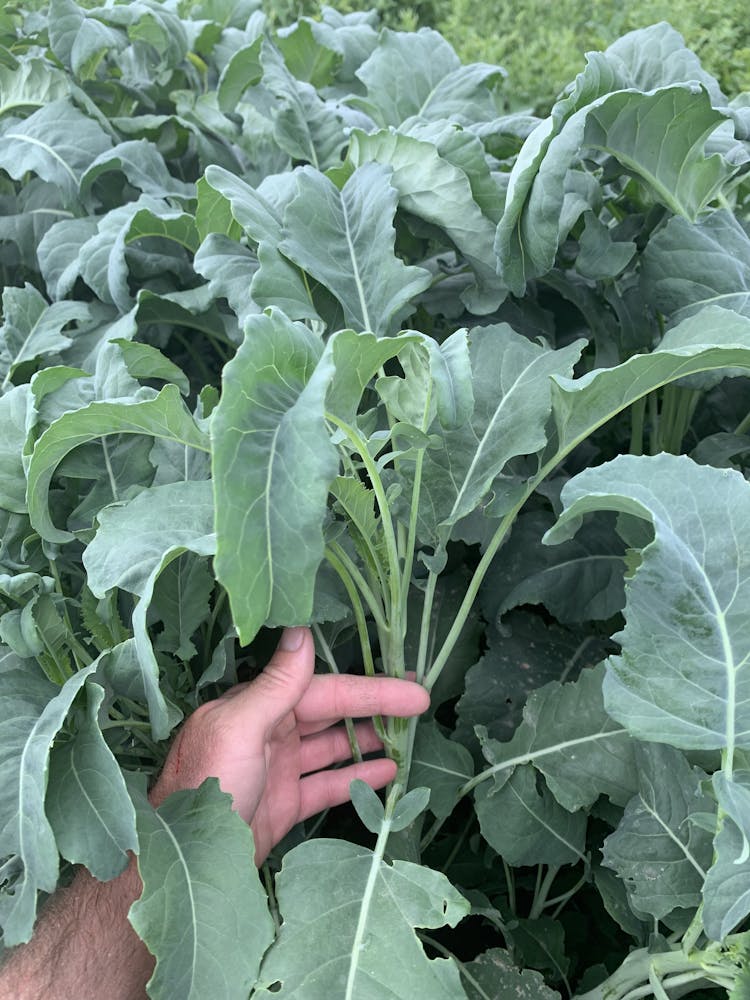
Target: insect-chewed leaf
[493, 974]
[726, 893]
[322, 890]
[684, 673]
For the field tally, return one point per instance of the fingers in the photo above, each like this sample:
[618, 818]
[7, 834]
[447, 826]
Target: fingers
[330, 747]
[331, 788]
[332, 697]
[276, 691]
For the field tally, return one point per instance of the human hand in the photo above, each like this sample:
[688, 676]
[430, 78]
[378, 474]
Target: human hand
[271, 742]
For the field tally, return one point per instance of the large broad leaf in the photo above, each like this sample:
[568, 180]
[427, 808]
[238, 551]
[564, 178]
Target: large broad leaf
[134, 543]
[14, 407]
[32, 83]
[657, 849]
[569, 737]
[434, 189]
[689, 265]
[345, 239]
[33, 710]
[57, 143]
[711, 340]
[441, 765]
[512, 401]
[522, 655]
[204, 917]
[526, 825]
[726, 893]
[164, 416]
[420, 74]
[348, 929]
[32, 328]
[683, 675]
[652, 135]
[141, 165]
[493, 976]
[80, 42]
[575, 582]
[272, 465]
[88, 806]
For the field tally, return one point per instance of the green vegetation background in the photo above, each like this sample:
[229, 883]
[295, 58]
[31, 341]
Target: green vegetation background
[541, 42]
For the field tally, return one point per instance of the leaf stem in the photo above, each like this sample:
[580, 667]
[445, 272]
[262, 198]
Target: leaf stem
[331, 661]
[342, 557]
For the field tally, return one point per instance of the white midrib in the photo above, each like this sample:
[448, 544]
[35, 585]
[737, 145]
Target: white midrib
[551, 830]
[364, 910]
[355, 270]
[483, 440]
[670, 833]
[191, 897]
[48, 149]
[269, 479]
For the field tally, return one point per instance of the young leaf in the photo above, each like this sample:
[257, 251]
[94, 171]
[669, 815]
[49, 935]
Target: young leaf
[14, 407]
[216, 945]
[682, 677]
[87, 803]
[408, 808]
[726, 892]
[345, 240]
[322, 888]
[369, 807]
[163, 416]
[272, 465]
[33, 711]
[660, 854]
[512, 387]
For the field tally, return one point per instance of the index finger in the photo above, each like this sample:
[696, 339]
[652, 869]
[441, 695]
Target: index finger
[339, 696]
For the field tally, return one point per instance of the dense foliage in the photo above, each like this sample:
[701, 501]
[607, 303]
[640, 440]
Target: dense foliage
[300, 327]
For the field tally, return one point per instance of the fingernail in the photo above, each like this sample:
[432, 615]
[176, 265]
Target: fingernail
[292, 639]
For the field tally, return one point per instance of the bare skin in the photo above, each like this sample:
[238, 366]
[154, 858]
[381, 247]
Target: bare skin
[271, 744]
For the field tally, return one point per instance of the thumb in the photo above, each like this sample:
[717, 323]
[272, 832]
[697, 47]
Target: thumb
[285, 679]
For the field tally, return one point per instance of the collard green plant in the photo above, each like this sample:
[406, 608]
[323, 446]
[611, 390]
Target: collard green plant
[302, 328]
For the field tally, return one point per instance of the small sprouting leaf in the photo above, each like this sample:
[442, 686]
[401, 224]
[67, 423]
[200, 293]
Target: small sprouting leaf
[408, 808]
[369, 807]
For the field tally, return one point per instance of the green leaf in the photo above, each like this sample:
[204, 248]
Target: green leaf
[367, 804]
[32, 83]
[306, 55]
[512, 401]
[320, 892]
[142, 165]
[79, 41]
[682, 677]
[180, 601]
[14, 406]
[243, 70]
[33, 711]
[434, 189]
[579, 581]
[711, 340]
[57, 143]
[656, 849]
[524, 823]
[144, 362]
[569, 737]
[600, 256]
[419, 74]
[689, 265]
[272, 465]
[134, 543]
[87, 803]
[216, 946]
[726, 893]
[163, 416]
[32, 328]
[345, 240]
[493, 976]
[408, 807]
[441, 765]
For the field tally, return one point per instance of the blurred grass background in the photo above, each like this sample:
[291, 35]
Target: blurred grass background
[541, 42]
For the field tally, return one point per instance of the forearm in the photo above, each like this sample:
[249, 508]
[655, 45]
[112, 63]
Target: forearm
[83, 946]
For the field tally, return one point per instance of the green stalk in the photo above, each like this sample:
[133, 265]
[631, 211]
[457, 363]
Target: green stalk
[333, 666]
[376, 609]
[653, 412]
[385, 514]
[542, 892]
[638, 412]
[743, 426]
[372, 877]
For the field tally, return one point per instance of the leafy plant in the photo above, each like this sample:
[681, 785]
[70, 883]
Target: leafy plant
[285, 340]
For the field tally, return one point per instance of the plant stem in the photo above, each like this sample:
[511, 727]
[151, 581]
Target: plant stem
[653, 412]
[331, 661]
[637, 413]
[372, 877]
[337, 556]
[273, 905]
[743, 426]
[543, 888]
